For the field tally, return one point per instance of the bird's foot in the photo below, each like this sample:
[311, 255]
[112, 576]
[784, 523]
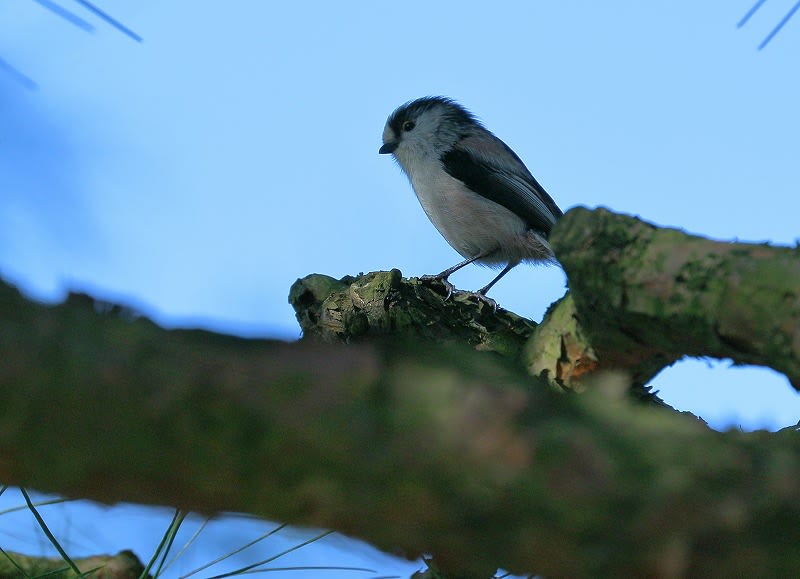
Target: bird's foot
[447, 285]
[482, 297]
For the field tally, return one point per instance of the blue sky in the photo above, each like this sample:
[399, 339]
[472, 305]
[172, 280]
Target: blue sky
[197, 174]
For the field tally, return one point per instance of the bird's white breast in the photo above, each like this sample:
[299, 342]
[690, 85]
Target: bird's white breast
[470, 223]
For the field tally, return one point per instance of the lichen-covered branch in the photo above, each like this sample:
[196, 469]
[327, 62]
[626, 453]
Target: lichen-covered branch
[383, 303]
[419, 448]
[647, 296]
[640, 298]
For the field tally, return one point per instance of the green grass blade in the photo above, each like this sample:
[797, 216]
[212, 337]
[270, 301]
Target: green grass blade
[165, 544]
[236, 552]
[50, 535]
[13, 562]
[274, 557]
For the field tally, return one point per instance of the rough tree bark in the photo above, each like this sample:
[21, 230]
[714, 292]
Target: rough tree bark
[648, 296]
[417, 443]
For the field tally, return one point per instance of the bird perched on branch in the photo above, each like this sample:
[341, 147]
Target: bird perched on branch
[473, 187]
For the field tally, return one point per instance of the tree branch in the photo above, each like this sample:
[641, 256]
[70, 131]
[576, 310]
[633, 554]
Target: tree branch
[382, 303]
[647, 296]
[419, 447]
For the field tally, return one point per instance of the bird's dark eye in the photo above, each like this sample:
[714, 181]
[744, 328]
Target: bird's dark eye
[409, 126]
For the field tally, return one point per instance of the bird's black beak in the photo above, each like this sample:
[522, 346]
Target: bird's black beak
[388, 148]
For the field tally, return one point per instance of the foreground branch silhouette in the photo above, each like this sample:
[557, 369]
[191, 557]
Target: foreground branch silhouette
[416, 442]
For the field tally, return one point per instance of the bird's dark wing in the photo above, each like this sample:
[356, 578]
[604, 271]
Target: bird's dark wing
[474, 161]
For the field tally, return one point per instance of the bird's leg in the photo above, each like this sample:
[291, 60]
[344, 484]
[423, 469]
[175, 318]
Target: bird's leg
[481, 293]
[506, 269]
[442, 277]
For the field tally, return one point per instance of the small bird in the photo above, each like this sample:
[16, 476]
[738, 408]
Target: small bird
[475, 190]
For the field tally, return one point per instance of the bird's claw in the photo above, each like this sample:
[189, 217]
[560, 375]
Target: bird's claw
[447, 285]
[451, 289]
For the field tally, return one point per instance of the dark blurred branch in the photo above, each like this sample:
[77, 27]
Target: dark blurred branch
[412, 446]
